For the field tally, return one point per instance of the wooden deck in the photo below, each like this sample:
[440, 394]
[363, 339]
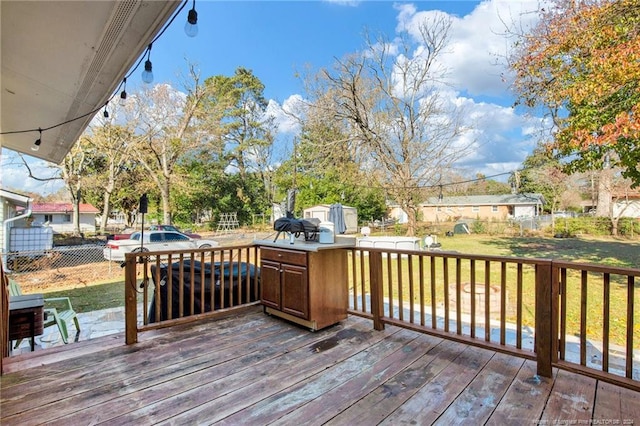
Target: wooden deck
[254, 369]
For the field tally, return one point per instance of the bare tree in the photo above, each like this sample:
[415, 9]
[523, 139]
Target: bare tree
[73, 168]
[111, 147]
[163, 117]
[407, 131]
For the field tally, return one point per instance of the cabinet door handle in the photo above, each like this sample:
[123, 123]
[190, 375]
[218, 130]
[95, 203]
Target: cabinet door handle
[279, 254]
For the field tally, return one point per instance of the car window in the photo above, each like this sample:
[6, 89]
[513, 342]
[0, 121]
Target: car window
[135, 236]
[174, 236]
[154, 238]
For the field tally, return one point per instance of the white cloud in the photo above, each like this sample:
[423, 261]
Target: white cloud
[15, 176]
[285, 115]
[475, 63]
[476, 53]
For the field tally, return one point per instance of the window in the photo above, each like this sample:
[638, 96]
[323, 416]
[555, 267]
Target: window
[494, 209]
[475, 208]
[48, 218]
[439, 208]
[174, 236]
[460, 208]
[449, 208]
[66, 218]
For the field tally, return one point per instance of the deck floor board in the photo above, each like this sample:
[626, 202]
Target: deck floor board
[255, 369]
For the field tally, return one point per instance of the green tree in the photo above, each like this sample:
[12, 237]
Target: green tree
[323, 170]
[581, 63]
[234, 112]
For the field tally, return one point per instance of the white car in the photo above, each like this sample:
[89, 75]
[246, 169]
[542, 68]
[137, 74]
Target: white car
[153, 241]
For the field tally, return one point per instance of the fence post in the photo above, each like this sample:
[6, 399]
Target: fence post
[130, 300]
[544, 320]
[375, 280]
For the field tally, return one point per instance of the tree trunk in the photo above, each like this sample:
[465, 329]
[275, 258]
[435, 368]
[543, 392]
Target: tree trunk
[166, 204]
[614, 226]
[603, 209]
[106, 210]
[412, 223]
[75, 200]
[76, 217]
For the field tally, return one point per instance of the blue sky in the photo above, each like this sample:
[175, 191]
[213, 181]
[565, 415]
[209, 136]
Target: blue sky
[277, 38]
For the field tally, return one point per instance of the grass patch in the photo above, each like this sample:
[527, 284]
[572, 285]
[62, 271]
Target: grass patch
[93, 297]
[603, 251]
[611, 252]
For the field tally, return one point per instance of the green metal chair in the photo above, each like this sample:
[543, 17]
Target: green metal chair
[57, 311]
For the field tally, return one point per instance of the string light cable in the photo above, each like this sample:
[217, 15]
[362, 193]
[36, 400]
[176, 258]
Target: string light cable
[118, 90]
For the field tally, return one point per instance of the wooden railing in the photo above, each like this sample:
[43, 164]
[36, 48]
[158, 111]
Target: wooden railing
[598, 321]
[180, 286]
[506, 304]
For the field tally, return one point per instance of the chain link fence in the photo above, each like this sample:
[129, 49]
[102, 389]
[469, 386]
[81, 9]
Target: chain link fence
[61, 267]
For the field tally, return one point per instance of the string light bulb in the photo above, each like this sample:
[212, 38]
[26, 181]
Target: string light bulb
[191, 27]
[147, 74]
[123, 94]
[36, 144]
[105, 114]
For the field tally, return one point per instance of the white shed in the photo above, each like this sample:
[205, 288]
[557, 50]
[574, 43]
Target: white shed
[321, 211]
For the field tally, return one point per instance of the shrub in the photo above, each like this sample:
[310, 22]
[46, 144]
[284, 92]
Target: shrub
[478, 227]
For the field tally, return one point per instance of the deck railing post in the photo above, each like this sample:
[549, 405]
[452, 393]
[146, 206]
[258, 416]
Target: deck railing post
[544, 327]
[130, 301]
[375, 280]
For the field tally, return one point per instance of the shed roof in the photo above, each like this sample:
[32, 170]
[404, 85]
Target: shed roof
[327, 206]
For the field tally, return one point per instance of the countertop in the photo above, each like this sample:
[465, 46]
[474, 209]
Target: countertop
[339, 242]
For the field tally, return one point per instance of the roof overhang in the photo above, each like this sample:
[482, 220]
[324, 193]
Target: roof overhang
[63, 59]
[15, 198]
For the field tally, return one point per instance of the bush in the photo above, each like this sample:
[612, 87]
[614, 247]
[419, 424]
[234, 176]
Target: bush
[478, 227]
[628, 227]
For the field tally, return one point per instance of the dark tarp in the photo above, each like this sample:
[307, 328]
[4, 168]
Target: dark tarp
[231, 274]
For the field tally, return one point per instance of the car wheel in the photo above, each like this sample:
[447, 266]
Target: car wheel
[205, 246]
[143, 250]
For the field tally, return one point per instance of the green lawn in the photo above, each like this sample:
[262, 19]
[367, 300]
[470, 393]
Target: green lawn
[93, 297]
[603, 251]
[606, 251]
[618, 253]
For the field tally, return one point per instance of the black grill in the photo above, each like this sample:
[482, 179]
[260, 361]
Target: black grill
[307, 227]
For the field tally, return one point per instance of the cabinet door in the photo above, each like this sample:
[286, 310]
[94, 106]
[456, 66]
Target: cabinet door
[295, 291]
[270, 283]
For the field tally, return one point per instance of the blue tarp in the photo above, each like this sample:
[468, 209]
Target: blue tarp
[336, 215]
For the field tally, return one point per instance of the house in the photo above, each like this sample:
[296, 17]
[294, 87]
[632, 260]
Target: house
[496, 207]
[321, 211]
[59, 216]
[625, 204]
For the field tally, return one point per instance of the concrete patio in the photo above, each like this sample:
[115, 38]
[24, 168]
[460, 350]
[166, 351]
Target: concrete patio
[92, 325]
